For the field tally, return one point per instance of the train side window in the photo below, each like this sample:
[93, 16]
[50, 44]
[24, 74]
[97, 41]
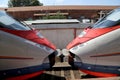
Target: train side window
[10, 23]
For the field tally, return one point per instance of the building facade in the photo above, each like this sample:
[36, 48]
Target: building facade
[71, 12]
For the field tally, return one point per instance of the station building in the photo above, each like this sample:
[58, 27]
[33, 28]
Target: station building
[71, 12]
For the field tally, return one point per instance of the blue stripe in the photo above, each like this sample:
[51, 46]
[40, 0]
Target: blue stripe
[98, 68]
[23, 71]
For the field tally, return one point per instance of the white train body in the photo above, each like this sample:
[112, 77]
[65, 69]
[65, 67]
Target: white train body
[24, 52]
[96, 51]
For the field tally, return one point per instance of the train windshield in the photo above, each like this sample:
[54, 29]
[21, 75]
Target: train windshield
[112, 19]
[8, 22]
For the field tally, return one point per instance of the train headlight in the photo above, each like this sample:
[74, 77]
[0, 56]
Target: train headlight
[45, 48]
[78, 46]
[82, 34]
[40, 35]
[48, 49]
[81, 45]
[75, 48]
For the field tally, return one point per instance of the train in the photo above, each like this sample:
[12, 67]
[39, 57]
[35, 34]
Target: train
[96, 50]
[24, 52]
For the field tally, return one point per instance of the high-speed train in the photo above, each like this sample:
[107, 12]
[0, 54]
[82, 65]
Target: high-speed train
[24, 52]
[96, 51]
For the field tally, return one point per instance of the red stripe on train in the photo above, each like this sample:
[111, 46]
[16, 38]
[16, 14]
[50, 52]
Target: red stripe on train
[25, 77]
[98, 74]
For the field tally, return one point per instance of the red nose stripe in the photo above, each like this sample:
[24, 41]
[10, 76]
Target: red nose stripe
[106, 55]
[90, 34]
[99, 74]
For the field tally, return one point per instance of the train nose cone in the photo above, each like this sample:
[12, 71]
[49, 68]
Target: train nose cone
[74, 60]
[71, 59]
[49, 61]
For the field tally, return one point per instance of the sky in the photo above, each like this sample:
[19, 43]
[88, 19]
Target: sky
[3, 3]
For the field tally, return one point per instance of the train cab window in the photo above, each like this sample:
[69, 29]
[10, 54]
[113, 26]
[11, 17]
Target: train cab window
[112, 19]
[10, 23]
[1, 26]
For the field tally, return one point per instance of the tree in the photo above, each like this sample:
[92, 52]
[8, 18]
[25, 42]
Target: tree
[35, 3]
[18, 3]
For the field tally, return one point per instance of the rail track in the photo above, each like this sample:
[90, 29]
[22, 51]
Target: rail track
[63, 71]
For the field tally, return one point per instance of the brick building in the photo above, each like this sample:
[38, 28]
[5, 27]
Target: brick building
[73, 12]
